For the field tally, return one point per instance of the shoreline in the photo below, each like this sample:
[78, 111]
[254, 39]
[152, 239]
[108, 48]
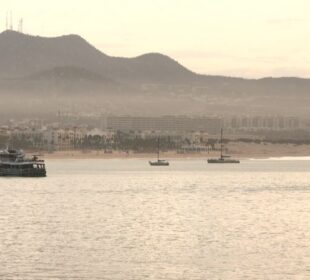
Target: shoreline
[236, 150]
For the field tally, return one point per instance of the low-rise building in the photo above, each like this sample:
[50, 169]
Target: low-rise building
[166, 123]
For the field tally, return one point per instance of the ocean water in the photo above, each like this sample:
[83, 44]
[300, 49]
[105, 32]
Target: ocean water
[122, 219]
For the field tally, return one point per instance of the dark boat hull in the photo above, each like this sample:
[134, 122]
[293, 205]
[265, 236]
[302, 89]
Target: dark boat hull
[216, 160]
[16, 172]
[156, 163]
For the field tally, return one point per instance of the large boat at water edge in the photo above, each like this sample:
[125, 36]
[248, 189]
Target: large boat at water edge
[15, 163]
[223, 158]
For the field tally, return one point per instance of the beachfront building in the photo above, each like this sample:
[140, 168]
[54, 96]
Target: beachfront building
[169, 124]
[253, 123]
[63, 139]
[26, 137]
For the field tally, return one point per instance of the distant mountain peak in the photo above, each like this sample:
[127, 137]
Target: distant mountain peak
[12, 33]
[8, 35]
[158, 58]
[154, 55]
[24, 55]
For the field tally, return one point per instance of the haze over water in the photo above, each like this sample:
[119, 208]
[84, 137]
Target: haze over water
[122, 219]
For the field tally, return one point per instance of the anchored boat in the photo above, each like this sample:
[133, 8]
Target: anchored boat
[223, 158]
[159, 162]
[15, 163]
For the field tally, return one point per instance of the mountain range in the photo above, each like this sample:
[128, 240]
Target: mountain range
[23, 55]
[69, 64]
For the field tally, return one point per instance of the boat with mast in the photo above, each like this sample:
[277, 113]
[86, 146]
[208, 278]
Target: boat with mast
[159, 162]
[223, 158]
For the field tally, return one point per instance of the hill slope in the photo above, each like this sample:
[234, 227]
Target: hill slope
[22, 55]
[67, 65]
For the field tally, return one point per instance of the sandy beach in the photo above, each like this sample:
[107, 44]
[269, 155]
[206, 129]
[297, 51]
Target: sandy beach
[238, 150]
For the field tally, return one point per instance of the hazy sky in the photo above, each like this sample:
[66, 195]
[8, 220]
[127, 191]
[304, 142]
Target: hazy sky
[250, 38]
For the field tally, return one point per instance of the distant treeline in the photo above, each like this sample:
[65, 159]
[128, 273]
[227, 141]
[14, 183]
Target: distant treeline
[129, 142]
[120, 141]
[4, 140]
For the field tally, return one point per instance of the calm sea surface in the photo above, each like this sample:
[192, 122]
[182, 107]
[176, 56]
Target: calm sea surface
[122, 219]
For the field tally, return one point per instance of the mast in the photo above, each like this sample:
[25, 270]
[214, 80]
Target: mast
[158, 149]
[221, 142]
